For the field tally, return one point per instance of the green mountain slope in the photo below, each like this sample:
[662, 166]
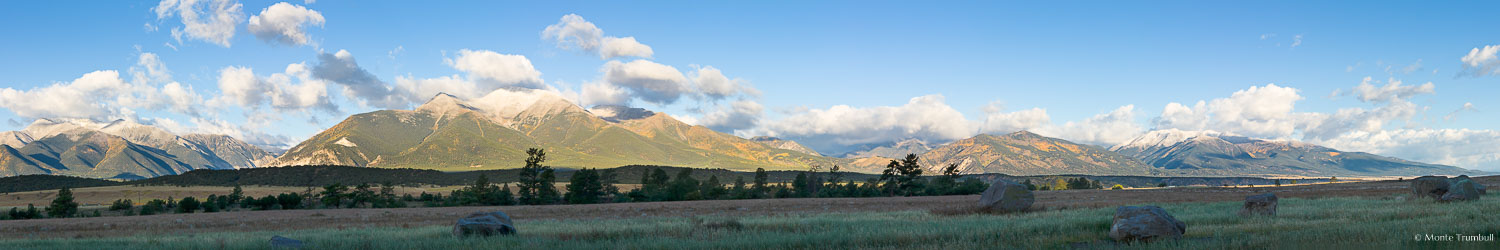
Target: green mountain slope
[1025, 153]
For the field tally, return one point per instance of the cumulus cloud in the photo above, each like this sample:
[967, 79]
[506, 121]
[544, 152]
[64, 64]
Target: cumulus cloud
[836, 128]
[341, 68]
[284, 23]
[650, 81]
[1473, 149]
[1114, 127]
[998, 122]
[712, 83]
[212, 21]
[1260, 111]
[105, 95]
[295, 89]
[573, 32]
[495, 70]
[603, 94]
[1482, 61]
[741, 115]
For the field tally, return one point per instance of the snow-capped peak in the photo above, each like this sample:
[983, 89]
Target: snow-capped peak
[1164, 138]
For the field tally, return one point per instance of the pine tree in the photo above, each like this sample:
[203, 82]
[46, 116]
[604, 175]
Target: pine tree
[63, 206]
[759, 189]
[902, 177]
[584, 187]
[536, 180]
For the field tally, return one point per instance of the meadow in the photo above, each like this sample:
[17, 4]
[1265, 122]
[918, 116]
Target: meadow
[1377, 222]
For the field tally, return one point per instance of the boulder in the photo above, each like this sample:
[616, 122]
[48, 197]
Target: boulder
[1429, 187]
[1477, 186]
[278, 241]
[1264, 204]
[1145, 224]
[1007, 197]
[484, 224]
[1463, 190]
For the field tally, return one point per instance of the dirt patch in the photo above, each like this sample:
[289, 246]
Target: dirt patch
[417, 217]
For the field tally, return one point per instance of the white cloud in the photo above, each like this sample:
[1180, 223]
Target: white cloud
[1473, 149]
[714, 85]
[623, 47]
[834, 129]
[573, 32]
[1114, 127]
[1296, 41]
[150, 68]
[1482, 61]
[1260, 111]
[212, 21]
[603, 94]
[1467, 107]
[741, 115]
[650, 81]
[495, 70]
[997, 122]
[85, 97]
[284, 23]
[1391, 92]
[294, 90]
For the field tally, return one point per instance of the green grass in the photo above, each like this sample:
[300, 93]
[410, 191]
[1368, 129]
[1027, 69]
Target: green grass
[1332, 223]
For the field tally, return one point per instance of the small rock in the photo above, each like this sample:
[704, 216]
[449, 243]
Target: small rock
[1264, 204]
[1429, 187]
[1145, 224]
[1006, 196]
[1463, 190]
[484, 224]
[278, 241]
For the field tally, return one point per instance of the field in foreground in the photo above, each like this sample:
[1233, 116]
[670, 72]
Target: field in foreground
[1343, 214]
[1335, 223]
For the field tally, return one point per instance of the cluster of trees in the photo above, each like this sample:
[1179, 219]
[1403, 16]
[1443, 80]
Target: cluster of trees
[1069, 183]
[536, 185]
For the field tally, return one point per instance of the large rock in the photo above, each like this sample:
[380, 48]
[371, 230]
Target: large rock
[1264, 204]
[1477, 186]
[1463, 190]
[1145, 224]
[1006, 196]
[484, 224]
[1429, 187]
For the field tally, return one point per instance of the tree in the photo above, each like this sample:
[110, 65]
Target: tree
[799, 185]
[1278, 182]
[739, 190]
[684, 187]
[1117, 187]
[758, 189]
[154, 207]
[237, 194]
[712, 189]
[505, 196]
[289, 200]
[1060, 185]
[187, 205]
[947, 183]
[834, 175]
[902, 177]
[333, 195]
[121, 204]
[584, 187]
[1028, 184]
[63, 206]
[536, 180]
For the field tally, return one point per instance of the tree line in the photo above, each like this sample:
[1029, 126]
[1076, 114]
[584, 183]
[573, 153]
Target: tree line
[536, 185]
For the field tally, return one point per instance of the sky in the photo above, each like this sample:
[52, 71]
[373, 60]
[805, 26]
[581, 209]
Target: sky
[1413, 80]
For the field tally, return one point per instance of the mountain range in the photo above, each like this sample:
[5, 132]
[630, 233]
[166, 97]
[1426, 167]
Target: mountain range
[493, 132]
[118, 150]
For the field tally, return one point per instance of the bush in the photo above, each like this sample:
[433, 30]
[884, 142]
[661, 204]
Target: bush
[121, 204]
[154, 207]
[188, 205]
[1117, 187]
[63, 206]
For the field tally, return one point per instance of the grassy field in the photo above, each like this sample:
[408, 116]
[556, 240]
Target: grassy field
[1387, 222]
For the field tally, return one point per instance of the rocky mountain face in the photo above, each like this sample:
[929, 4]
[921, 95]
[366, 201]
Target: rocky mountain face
[784, 144]
[1025, 153]
[494, 131]
[1208, 153]
[116, 150]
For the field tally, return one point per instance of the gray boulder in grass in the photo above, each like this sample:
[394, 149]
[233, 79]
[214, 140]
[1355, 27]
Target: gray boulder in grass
[1477, 186]
[1263, 204]
[1145, 224]
[1463, 190]
[1429, 187]
[484, 224]
[1007, 197]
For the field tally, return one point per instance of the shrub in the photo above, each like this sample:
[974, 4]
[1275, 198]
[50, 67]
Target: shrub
[1117, 187]
[63, 206]
[121, 204]
[188, 205]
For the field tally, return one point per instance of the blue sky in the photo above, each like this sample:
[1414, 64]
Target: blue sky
[833, 75]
